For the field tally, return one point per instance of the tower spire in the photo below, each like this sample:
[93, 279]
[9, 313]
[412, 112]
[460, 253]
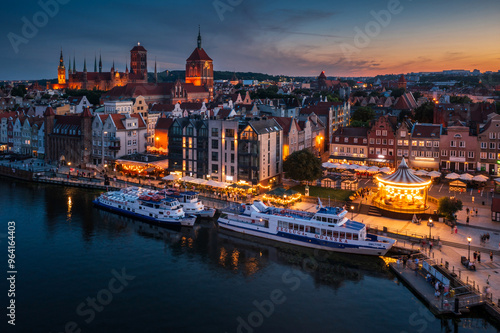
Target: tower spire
[61, 60]
[199, 36]
[85, 64]
[95, 63]
[156, 73]
[100, 62]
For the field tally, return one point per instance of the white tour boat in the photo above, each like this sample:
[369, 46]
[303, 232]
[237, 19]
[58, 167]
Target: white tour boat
[191, 204]
[327, 229]
[145, 204]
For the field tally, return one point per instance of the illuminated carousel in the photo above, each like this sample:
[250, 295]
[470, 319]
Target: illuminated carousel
[402, 192]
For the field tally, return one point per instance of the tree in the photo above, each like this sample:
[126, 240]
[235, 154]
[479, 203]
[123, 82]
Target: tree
[20, 90]
[425, 113]
[398, 92]
[302, 165]
[363, 113]
[460, 99]
[359, 123]
[448, 207]
[417, 95]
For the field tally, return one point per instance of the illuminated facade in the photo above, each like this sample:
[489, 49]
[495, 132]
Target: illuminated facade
[100, 80]
[200, 69]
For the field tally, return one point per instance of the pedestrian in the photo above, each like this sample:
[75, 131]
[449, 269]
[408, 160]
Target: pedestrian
[491, 255]
[467, 221]
[467, 210]
[430, 246]
[475, 255]
[477, 214]
[456, 230]
[405, 259]
[479, 257]
[452, 232]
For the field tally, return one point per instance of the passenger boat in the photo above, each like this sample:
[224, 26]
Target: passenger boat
[145, 204]
[191, 204]
[327, 229]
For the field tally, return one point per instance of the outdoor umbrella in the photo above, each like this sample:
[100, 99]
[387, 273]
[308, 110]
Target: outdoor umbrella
[352, 167]
[466, 176]
[385, 170]
[421, 173]
[452, 176]
[327, 165]
[361, 168]
[186, 178]
[172, 176]
[480, 178]
[434, 174]
[373, 169]
[342, 166]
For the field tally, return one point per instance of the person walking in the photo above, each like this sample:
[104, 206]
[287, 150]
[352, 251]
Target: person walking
[467, 210]
[475, 255]
[456, 230]
[491, 255]
[479, 257]
[467, 221]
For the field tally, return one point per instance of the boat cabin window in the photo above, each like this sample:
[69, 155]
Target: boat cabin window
[313, 230]
[329, 233]
[323, 232]
[342, 235]
[348, 235]
[324, 219]
[336, 234]
[354, 236]
[301, 227]
[335, 221]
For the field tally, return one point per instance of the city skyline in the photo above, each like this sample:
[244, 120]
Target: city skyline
[364, 39]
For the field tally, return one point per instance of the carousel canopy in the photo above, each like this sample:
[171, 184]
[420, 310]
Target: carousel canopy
[403, 176]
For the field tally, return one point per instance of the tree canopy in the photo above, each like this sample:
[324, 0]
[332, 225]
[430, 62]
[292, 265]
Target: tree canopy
[448, 207]
[460, 99]
[363, 113]
[425, 113]
[302, 165]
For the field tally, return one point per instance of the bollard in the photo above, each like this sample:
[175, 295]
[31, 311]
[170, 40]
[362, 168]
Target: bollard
[467, 280]
[460, 275]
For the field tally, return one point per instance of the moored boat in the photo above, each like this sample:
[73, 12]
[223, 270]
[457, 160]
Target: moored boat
[191, 204]
[145, 204]
[327, 229]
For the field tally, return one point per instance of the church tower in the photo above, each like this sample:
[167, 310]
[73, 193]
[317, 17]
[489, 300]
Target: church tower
[61, 71]
[199, 68]
[139, 62]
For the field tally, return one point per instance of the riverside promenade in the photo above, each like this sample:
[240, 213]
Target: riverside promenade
[453, 245]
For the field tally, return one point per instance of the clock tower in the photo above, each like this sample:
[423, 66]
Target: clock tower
[200, 68]
[61, 71]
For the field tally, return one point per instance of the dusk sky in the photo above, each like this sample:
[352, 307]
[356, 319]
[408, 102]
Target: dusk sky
[276, 37]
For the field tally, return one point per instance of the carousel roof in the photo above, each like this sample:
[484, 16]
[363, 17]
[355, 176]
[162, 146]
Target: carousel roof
[403, 176]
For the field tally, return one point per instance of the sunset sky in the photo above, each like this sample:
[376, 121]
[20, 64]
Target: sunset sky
[276, 37]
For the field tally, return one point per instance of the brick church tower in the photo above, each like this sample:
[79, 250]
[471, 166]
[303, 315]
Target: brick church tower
[200, 68]
[139, 62]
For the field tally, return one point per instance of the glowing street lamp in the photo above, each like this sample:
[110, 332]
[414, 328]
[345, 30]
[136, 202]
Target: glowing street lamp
[468, 255]
[430, 226]
[352, 212]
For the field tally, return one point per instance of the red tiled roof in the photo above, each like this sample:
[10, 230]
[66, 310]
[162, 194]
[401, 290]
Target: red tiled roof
[164, 123]
[191, 106]
[351, 132]
[199, 54]
[49, 112]
[285, 123]
[163, 107]
[224, 113]
[426, 131]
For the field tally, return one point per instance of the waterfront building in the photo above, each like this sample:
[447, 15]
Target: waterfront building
[259, 152]
[425, 141]
[350, 145]
[68, 138]
[115, 135]
[458, 148]
[403, 140]
[489, 146]
[381, 141]
[223, 150]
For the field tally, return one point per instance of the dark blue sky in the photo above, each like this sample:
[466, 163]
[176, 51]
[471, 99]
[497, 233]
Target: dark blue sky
[277, 37]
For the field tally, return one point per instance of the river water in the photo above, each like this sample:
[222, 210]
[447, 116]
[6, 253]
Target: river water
[80, 269]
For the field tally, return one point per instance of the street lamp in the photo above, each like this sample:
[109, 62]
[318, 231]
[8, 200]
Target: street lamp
[430, 226]
[468, 255]
[352, 212]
